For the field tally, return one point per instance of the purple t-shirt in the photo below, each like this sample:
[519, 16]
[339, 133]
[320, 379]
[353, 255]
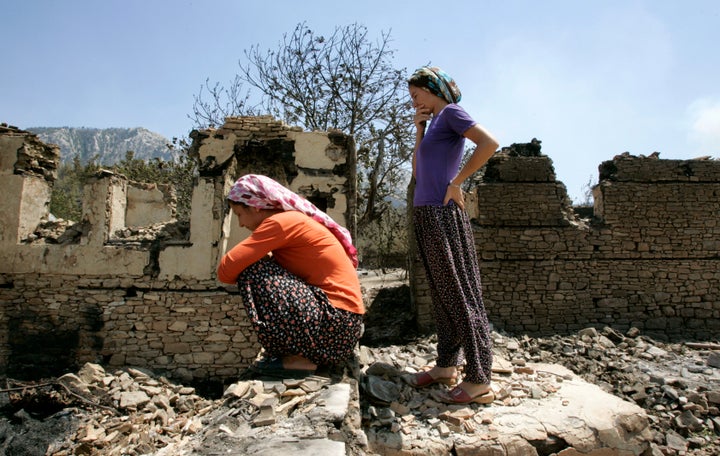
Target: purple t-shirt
[439, 155]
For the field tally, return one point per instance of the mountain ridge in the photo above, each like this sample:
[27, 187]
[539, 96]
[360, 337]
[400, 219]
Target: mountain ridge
[109, 145]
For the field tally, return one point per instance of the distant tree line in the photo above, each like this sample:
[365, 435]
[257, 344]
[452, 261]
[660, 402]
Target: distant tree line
[67, 193]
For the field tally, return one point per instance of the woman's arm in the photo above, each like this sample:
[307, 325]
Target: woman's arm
[267, 237]
[422, 115]
[485, 147]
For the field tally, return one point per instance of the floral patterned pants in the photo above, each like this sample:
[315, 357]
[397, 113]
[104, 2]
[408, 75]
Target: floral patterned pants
[292, 317]
[447, 247]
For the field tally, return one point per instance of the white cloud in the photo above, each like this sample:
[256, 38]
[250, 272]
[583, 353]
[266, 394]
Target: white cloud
[704, 126]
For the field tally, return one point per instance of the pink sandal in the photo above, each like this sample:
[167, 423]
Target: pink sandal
[459, 396]
[423, 379]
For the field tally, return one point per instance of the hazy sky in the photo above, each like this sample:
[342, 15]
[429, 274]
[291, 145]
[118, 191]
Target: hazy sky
[590, 79]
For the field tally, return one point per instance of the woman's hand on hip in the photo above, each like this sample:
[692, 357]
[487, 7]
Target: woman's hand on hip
[455, 193]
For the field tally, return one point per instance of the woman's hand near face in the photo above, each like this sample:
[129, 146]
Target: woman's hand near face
[422, 115]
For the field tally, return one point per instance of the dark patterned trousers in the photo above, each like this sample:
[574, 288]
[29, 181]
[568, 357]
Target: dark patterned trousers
[447, 247]
[292, 317]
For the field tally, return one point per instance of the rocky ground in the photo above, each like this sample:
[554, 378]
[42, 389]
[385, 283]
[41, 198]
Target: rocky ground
[133, 412]
[677, 383]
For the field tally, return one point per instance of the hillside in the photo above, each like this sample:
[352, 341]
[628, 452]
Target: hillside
[109, 144]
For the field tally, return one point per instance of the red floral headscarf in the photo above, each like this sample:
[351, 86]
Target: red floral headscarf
[261, 192]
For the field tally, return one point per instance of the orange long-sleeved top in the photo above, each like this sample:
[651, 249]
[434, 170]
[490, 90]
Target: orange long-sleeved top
[305, 248]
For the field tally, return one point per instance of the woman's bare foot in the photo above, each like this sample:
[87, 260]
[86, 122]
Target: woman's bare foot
[474, 389]
[443, 372]
[444, 375]
[467, 393]
[297, 362]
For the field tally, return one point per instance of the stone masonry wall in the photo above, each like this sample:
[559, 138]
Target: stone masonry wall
[648, 258]
[109, 292]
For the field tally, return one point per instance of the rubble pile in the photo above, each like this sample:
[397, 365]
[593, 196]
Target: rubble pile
[400, 419]
[127, 412]
[61, 231]
[594, 392]
[176, 230]
[678, 384]
[130, 412]
[57, 231]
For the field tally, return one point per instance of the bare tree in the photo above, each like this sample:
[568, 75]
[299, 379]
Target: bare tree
[223, 102]
[344, 81]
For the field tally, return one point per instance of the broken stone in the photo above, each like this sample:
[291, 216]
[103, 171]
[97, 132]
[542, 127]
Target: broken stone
[263, 400]
[76, 385]
[381, 391]
[237, 390]
[380, 369]
[384, 415]
[656, 352]
[501, 365]
[400, 409]
[266, 417]
[133, 399]
[686, 420]
[713, 397]
[714, 359]
[92, 373]
[193, 426]
[675, 441]
[288, 406]
[311, 386]
[334, 400]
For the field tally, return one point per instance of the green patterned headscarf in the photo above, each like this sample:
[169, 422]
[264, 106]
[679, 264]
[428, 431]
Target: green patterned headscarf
[437, 82]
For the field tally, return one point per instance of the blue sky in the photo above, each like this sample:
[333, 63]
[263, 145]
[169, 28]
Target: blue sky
[590, 79]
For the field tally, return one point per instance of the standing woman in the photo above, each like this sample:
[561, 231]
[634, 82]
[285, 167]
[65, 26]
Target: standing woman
[445, 238]
[297, 278]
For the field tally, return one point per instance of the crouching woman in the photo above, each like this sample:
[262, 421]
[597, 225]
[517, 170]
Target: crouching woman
[297, 278]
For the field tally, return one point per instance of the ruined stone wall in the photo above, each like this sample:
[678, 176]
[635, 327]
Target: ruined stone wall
[107, 291]
[648, 258]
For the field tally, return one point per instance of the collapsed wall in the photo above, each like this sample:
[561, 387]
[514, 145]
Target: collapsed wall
[649, 257]
[100, 292]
